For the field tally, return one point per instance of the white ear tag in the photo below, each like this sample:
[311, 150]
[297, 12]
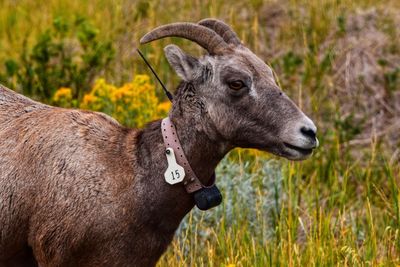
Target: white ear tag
[174, 173]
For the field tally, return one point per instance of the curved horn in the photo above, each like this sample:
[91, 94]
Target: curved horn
[222, 29]
[203, 36]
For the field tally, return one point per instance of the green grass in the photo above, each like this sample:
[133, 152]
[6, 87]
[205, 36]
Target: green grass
[340, 207]
[296, 214]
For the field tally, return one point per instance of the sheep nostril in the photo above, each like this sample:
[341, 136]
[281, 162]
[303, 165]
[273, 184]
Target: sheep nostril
[308, 132]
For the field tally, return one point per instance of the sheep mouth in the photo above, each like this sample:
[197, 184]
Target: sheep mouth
[303, 151]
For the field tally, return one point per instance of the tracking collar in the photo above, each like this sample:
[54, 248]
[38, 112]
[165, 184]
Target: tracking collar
[179, 170]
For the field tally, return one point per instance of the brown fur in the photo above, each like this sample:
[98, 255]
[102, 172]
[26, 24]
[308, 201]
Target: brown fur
[81, 190]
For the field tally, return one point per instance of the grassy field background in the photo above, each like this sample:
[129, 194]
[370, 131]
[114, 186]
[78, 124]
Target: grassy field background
[340, 62]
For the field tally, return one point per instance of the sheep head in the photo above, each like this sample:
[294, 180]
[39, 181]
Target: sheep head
[233, 93]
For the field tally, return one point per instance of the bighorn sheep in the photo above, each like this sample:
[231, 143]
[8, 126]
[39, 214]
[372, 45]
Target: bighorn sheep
[79, 189]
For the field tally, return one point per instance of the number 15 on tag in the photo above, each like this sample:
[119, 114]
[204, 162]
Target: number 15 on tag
[174, 173]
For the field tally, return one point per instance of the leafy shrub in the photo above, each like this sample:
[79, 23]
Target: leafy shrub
[66, 55]
[132, 104]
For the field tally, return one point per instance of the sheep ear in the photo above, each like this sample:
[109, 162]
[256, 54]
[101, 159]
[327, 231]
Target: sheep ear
[186, 66]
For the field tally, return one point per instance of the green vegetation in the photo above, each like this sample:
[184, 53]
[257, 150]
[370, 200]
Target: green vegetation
[338, 59]
[64, 55]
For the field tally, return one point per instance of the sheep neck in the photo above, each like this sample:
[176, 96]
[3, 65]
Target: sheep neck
[202, 153]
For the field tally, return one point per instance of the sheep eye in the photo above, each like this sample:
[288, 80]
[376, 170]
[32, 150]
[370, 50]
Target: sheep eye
[236, 85]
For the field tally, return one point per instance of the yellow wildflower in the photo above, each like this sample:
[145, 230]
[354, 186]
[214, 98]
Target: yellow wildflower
[141, 79]
[117, 94]
[102, 89]
[133, 104]
[89, 99]
[63, 94]
[164, 107]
